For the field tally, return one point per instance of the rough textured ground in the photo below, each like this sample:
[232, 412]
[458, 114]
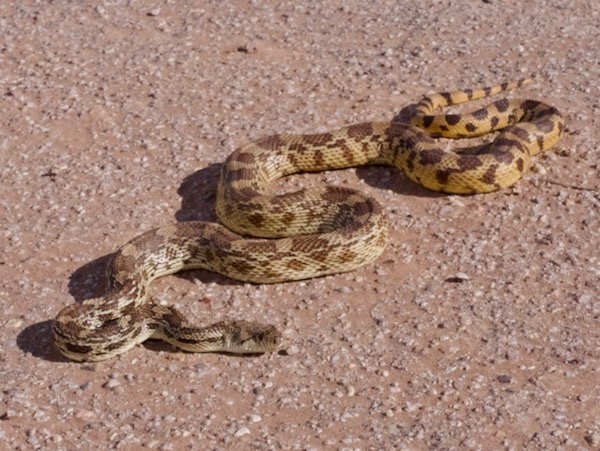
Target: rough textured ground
[477, 328]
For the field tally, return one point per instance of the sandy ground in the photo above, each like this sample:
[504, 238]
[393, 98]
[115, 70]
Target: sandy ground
[476, 329]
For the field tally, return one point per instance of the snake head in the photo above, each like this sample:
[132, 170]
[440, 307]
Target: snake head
[255, 338]
[239, 337]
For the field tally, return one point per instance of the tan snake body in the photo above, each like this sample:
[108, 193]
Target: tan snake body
[305, 234]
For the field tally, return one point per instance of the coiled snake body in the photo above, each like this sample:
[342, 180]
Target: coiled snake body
[305, 234]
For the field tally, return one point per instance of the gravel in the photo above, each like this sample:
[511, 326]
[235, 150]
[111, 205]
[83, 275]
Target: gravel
[476, 329]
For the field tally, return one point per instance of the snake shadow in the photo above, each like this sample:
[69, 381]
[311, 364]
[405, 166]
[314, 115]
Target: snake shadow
[36, 340]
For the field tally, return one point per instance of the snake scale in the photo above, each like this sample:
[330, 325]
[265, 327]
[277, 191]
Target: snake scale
[268, 238]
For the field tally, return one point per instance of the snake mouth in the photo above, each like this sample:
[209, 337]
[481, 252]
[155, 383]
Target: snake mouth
[266, 338]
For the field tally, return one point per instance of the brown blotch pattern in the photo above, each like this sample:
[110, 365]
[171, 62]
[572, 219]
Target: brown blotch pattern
[501, 105]
[256, 219]
[468, 163]
[503, 156]
[480, 115]
[319, 158]
[489, 176]
[540, 141]
[447, 97]
[270, 142]
[360, 131]
[431, 157]
[295, 264]
[470, 127]
[504, 146]
[410, 161]
[241, 266]
[77, 349]
[261, 247]
[347, 152]
[242, 157]
[544, 126]
[453, 119]
[530, 105]
[427, 121]
[442, 176]
[335, 195]
[347, 257]
[320, 139]
[520, 164]
[235, 175]
[288, 217]
[307, 244]
[520, 133]
[298, 147]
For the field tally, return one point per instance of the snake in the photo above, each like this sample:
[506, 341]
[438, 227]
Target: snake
[271, 238]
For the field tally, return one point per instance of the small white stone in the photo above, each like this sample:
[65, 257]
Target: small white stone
[538, 168]
[593, 439]
[241, 432]
[112, 383]
[14, 323]
[84, 415]
[456, 202]
[40, 415]
[292, 350]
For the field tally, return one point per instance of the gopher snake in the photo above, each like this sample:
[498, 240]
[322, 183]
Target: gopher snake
[318, 231]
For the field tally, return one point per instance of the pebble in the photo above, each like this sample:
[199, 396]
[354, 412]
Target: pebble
[593, 439]
[14, 323]
[461, 276]
[241, 432]
[504, 379]
[111, 383]
[84, 414]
